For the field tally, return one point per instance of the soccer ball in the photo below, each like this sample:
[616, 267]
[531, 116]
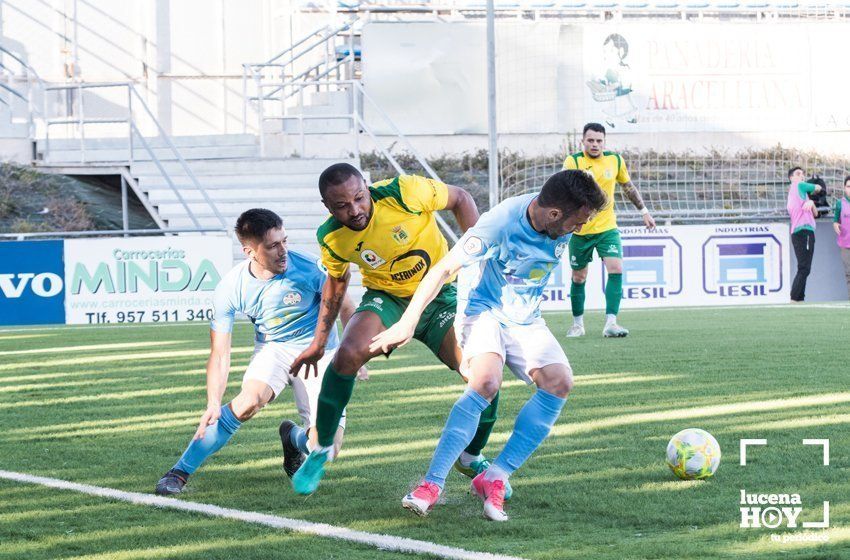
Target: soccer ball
[693, 454]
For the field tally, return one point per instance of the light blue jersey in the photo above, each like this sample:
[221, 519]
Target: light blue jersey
[284, 308]
[507, 264]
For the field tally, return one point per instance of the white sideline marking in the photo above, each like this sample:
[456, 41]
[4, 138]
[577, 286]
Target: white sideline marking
[381, 542]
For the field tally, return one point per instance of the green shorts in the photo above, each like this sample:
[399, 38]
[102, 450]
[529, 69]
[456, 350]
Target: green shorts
[435, 322]
[607, 244]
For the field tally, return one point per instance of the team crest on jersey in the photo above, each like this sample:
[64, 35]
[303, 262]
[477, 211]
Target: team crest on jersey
[292, 298]
[559, 249]
[371, 258]
[399, 235]
[473, 245]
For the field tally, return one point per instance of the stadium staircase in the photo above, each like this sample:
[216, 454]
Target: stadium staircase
[302, 111]
[232, 176]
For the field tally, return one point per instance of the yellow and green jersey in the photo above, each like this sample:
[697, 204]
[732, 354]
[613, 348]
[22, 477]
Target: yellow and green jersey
[608, 170]
[400, 244]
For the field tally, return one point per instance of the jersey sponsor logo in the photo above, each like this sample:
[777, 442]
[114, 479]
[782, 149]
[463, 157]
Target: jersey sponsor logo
[399, 235]
[376, 302]
[609, 174]
[444, 317]
[292, 298]
[473, 245]
[371, 258]
[559, 249]
[422, 263]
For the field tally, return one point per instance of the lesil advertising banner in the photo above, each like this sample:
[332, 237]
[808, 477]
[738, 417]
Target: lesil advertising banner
[143, 280]
[734, 264]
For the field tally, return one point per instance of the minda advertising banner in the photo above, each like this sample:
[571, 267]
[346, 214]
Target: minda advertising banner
[143, 280]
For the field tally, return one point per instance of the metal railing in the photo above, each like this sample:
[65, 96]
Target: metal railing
[108, 232]
[357, 99]
[286, 91]
[35, 86]
[313, 57]
[688, 187]
[80, 121]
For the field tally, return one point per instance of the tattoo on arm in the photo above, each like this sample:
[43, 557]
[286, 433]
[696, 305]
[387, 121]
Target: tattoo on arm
[332, 306]
[633, 194]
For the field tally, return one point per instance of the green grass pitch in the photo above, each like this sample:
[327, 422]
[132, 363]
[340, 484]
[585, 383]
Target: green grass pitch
[115, 406]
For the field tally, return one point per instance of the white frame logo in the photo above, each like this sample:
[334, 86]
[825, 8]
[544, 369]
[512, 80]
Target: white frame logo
[782, 509]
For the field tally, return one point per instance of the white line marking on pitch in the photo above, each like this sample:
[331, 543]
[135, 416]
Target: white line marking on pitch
[382, 542]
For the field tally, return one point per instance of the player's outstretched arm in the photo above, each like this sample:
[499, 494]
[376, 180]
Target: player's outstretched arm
[218, 368]
[634, 196]
[400, 334]
[462, 206]
[333, 294]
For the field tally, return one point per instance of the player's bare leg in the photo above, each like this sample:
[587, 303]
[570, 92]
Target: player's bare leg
[613, 295]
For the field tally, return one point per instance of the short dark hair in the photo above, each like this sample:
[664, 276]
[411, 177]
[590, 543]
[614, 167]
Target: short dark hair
[571, 190]
[793, 169]
[594, 126]
[847, 178]
[337, 174]
[253, 224]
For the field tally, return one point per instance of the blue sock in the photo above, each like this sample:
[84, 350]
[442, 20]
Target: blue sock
[214, 439]
[458, 432]
[298, 437]
[533, 424]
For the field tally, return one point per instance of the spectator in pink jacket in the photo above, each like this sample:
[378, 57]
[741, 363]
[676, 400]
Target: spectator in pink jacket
[802, 212]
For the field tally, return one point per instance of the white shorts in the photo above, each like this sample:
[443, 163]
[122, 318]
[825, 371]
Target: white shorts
[523, 348]
[270, 364]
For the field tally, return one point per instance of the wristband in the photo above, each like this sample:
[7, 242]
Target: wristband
[644, 211]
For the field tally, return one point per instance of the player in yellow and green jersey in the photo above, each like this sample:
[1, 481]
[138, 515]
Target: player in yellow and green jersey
[390, 232]
[601, 233]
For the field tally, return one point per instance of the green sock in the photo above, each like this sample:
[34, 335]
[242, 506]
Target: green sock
[334, 396]
[577, 299]
[485, 426]
[613, 293]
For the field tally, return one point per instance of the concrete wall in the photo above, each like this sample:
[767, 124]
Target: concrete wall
[184, 56]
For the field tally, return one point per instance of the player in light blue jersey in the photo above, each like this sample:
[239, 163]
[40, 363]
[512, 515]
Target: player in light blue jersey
[506, 260]
[280, 291]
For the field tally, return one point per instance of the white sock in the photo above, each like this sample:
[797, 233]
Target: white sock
[466, 459]
[495, 473]
[610, 320]
[329, 451]
[578, 321]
